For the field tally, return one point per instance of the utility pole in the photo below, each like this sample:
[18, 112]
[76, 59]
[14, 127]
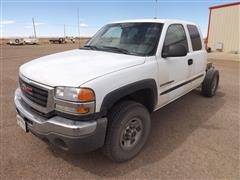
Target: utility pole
[156, 9]
[34, 28]
[78, 26]
[64, 31]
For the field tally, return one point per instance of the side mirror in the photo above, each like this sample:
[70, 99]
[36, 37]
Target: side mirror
[175, 50]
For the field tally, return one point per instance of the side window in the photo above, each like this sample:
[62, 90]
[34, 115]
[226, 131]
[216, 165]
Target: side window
[175, 35]
[195, 37]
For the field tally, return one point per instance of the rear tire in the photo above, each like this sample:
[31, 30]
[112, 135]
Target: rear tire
[210, 83]
[17, 41]
[129, 125]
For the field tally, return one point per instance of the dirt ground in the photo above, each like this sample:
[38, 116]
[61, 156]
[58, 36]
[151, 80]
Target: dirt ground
[192, 138]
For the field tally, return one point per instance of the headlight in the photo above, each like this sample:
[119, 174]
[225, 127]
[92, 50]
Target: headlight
[74, 94]
[76, 101]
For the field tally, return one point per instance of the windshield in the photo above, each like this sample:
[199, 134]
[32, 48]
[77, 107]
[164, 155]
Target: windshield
[129, 38]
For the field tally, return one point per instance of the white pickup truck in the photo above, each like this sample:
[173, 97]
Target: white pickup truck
[101, 95]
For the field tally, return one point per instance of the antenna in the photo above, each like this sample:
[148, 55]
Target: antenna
[156, 9]
[34, 28]
[78, 27]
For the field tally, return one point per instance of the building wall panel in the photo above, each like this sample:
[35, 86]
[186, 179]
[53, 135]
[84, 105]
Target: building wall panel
[225, 28]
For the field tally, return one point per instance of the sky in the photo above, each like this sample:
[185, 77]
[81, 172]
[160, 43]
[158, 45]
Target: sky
[50, 16]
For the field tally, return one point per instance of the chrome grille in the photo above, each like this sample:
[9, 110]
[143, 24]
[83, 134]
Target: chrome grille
[33, 93]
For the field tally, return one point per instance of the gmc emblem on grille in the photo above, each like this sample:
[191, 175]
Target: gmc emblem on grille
[26, 89]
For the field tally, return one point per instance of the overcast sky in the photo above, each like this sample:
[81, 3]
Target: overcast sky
[50, 16]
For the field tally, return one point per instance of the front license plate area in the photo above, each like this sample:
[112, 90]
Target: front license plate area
[21, 122]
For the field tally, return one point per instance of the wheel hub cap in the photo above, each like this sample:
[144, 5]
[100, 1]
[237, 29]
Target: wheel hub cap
[131, 134]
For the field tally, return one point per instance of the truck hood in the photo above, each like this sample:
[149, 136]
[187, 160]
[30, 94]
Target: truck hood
[75, 67]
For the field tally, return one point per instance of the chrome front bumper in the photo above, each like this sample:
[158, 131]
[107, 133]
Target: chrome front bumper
[56, 124]
[66, 134]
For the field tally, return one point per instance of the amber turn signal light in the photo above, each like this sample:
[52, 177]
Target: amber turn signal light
[82, 110]
[86, 95]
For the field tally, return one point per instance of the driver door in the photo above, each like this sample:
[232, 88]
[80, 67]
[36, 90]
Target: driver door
[174, 72]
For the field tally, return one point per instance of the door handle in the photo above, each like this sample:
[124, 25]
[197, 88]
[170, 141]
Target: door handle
[190, 62]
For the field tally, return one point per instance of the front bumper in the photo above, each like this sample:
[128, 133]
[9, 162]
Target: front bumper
[66, 134]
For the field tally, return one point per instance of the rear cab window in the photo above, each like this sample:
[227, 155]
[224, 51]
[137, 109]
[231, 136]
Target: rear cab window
[195, 37]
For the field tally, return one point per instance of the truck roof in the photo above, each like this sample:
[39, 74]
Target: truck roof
[155, 21]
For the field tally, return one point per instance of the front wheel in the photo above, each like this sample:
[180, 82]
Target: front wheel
[128, 129]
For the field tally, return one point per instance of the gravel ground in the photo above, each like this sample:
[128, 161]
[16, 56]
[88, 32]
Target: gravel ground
[192, 138]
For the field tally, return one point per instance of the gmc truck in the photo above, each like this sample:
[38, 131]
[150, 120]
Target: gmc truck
[101, 95]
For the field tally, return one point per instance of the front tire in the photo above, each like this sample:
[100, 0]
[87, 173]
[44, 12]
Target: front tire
[127, 132]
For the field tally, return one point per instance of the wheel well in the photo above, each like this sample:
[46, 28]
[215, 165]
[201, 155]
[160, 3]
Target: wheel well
[144, 92]
[145, 97]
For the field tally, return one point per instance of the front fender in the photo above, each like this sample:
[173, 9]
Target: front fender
[111, 98]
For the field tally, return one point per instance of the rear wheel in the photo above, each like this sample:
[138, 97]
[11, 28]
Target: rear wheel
[210, 83]
[17, 41]
[128, 129]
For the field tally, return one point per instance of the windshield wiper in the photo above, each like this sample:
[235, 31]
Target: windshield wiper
[121, 50]
[109, 48]
[90, 47]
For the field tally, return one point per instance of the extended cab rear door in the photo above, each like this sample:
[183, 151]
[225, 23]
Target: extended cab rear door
[197, 53]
